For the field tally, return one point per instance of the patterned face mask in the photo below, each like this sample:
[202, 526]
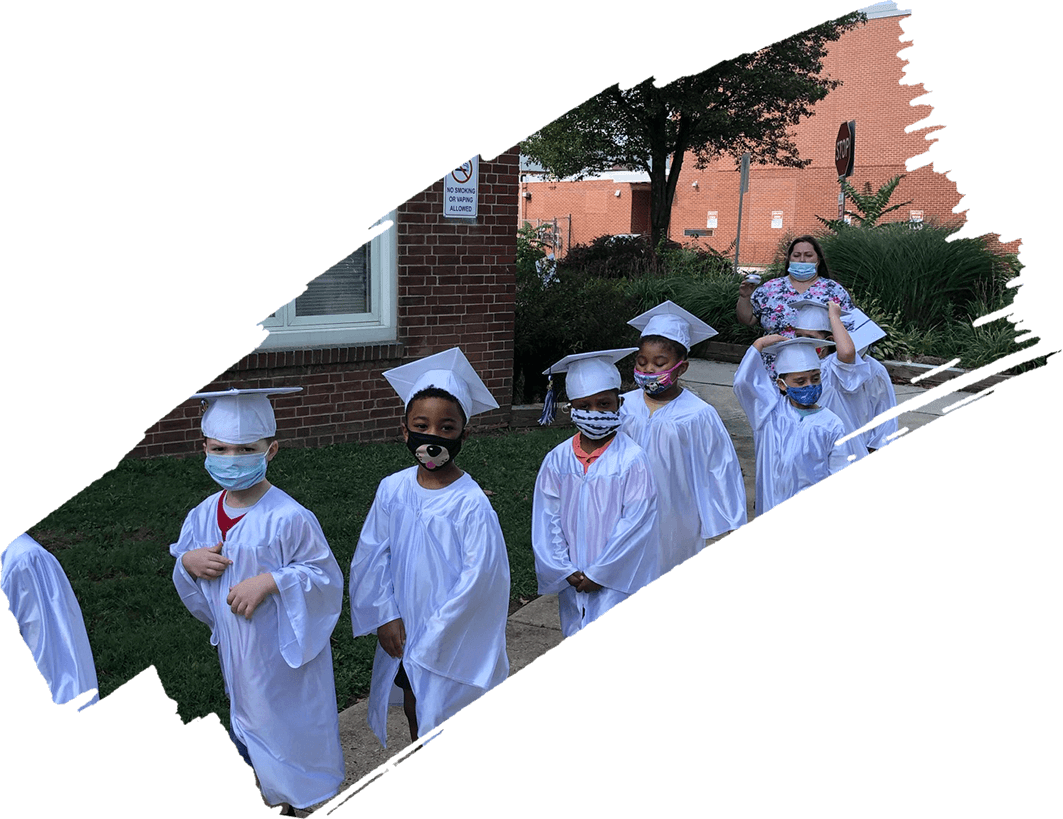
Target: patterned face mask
[806, 396]
[595, 425]
[432, 451]
[656, 383]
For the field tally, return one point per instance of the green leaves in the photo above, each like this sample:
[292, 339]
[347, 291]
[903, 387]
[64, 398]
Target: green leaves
[869, 207]
[746, 104]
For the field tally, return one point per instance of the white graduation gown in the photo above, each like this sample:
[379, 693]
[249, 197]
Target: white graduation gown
[435, 558]
[699, 481]
[858, 392]
[277, 666]
[793, 451]
[49, 618]
[603, 523]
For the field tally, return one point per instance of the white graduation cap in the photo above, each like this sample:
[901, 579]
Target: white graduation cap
[865, 332]
[240, 416]
[449, 371]
[813, 315]
[590, 373]
[670, 320]
[796, 355]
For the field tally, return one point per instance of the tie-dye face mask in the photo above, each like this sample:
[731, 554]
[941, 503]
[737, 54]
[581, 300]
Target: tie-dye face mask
[656, 383]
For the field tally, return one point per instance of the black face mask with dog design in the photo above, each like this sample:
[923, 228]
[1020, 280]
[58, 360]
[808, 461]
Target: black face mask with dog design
[431, 451]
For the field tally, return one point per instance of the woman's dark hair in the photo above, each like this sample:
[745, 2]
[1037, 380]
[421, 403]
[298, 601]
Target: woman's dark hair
[670, 344]
[435, 392]
[821, 265]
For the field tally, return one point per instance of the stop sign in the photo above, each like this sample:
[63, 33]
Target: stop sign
[843, 148]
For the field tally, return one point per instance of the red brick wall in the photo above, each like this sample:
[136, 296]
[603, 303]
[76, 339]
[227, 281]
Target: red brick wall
[595, 208]
[866, 61]
[455, 288]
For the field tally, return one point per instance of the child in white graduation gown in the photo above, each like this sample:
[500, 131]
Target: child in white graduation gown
[794, 438]
[856, 387]
[594, 511]
[699, 480]
[49, 618]
[254, 565]
[430, 573]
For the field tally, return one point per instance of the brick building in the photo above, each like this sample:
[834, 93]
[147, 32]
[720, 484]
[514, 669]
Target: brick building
[427, 284]
[781, 202]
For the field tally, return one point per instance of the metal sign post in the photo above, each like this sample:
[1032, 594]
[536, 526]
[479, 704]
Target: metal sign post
[844, 152]
[743, 186]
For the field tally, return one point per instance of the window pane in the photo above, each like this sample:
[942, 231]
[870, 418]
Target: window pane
[343, 288]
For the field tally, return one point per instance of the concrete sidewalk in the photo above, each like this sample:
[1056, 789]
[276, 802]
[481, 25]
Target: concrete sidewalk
[531, 631]
[535, 628]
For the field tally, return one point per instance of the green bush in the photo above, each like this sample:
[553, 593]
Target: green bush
[919, 276]
[569, 313]
[926, 291]
[610, 257]
[591, 295]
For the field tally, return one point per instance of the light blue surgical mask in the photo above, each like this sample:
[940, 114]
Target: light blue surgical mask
[802, 271]
[237, 471]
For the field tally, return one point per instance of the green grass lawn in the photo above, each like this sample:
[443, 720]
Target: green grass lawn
[113, 541]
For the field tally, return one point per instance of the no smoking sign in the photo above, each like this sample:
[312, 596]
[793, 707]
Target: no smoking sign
[460, 190]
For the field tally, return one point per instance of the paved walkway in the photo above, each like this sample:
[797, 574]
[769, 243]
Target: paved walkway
[535, 628]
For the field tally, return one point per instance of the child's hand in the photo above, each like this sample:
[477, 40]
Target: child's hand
[206, 563]
[246, 595]
[392, 637]
[575, 579]
[588, 585]
[767, 341]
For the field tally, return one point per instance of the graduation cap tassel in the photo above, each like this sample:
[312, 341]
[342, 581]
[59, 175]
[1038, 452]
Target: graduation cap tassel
[549, 405]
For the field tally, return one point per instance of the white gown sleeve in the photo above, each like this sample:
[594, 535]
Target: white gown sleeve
[754, 389]
[474, 612]
[187, 586]
[372, 592]
[49, 618]
[630, 557]
[717, 476]
[848, 378]
[553, 562]
[840, 456]
[310, 591]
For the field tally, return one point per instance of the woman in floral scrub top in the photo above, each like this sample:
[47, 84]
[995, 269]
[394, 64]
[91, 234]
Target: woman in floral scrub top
[771, 302]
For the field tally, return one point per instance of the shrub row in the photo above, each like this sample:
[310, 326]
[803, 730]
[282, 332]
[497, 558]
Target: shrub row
[922, 288]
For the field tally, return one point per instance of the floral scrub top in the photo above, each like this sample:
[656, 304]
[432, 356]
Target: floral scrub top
[771, 304]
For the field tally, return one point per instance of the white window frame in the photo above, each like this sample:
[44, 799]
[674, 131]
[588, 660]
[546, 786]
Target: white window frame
[287, 331]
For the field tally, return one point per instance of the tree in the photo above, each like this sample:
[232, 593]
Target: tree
[747, 104]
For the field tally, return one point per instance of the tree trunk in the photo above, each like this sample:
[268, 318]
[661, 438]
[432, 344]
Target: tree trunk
[663, 181]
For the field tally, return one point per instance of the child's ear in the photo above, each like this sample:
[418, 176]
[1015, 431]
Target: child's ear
[464, 434]
[780, 384]
[405, 430]
[272, 451]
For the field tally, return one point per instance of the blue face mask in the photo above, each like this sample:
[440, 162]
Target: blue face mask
[806, 396]
[237, 471]
[802, 271]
